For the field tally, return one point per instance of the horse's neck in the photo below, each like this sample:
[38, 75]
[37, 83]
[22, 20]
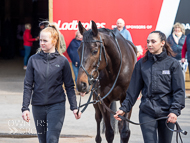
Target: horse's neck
[113, 55]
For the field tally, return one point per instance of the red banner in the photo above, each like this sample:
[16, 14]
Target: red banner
[140, 16]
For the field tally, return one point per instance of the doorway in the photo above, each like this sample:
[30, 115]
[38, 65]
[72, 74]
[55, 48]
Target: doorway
[14, 14]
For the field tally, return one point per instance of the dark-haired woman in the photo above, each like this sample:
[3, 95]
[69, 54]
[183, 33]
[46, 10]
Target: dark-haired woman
[160, 78]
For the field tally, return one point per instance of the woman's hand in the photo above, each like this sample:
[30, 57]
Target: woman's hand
[82, 94]
[26, 116]
[37, 38]
[76, 64]
[172, 118]
[119, 112]
[77, 116]
[183, 60]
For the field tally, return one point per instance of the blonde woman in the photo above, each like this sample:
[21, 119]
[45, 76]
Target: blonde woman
[27, 38]
[139, 52]
[177, 39]
[46, 72]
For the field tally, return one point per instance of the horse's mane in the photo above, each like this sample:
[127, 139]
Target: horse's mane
[106, 30]
[89, 34]
[113, 32]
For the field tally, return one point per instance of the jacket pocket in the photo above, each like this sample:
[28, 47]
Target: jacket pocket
[147, 107]
[164, 104]
[165, 100]
[164, 82]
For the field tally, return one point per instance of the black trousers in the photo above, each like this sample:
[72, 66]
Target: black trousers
[49, 121]
[155, 132]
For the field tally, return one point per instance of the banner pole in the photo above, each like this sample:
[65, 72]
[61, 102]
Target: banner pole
[50, 10]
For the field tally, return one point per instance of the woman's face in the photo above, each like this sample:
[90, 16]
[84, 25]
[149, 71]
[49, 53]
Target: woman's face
[79, 36]
[46, 42]
[138, 54]
[154, 43]
[177, 29]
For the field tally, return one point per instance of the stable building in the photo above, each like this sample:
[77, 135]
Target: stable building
[67, 14]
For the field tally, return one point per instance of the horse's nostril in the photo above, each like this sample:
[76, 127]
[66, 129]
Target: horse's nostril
[83, 86]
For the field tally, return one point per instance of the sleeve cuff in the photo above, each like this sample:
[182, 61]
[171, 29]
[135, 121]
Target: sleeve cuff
[24, 109]
[73, 108]
[177, 112]
[123, 109]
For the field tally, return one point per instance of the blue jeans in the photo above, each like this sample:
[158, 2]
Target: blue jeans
[76, 70]
[27, 54]
[153, 130]
[49, 121]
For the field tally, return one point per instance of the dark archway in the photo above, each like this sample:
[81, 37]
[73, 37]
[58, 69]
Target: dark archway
[14, 14]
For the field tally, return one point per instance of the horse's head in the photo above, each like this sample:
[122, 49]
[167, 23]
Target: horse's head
[92, 56]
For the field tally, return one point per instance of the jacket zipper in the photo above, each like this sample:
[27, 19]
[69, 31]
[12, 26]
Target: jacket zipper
[47, 73]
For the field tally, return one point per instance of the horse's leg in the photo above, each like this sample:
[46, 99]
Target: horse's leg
[124, 125]
[124, 129]
[98, 117]
[109, 133]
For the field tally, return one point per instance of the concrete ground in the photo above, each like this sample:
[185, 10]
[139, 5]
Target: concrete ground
[14, 130]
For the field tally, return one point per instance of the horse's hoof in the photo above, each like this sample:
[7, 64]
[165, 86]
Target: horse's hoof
[98, 139]
[125, 136]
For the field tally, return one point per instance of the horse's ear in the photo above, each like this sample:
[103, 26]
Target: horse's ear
[81, 28]
[94, 28]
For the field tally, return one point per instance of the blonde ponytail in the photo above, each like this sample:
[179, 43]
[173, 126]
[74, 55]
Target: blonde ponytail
[55, 35]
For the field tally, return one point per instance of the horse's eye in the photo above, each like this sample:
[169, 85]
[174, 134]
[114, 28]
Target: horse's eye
[94, 52]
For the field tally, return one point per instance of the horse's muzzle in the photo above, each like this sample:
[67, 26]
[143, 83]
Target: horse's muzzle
[83, 87]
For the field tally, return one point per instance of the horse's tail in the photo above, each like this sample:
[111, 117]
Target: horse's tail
[114, 122]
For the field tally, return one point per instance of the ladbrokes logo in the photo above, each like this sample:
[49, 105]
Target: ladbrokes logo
[187, 26]
[74, 25]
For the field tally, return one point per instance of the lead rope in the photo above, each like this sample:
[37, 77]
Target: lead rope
[90, 77]
[178, 128]
[88, 102]
[178, 131]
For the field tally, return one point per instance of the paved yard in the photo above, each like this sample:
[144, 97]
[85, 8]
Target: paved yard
[74, 131]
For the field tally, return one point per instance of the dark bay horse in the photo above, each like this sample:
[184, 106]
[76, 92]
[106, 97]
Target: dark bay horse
[107, 70]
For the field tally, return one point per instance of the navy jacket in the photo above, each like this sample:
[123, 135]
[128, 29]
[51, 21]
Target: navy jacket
[188, 47]
[162, 83]
[45, 75]
[72, 51]
[176, 47]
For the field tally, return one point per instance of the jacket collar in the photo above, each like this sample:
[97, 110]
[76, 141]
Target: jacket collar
[49, 56]
[28, 30]
[158, 57]
[123, 28]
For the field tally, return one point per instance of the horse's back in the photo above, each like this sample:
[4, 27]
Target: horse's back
[127, 44]
[128, 49]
